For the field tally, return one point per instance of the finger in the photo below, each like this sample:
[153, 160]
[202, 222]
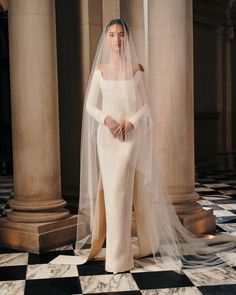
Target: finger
[120, 131]
[112, 127]
[123, 132]
[117, 131]
[112, 130]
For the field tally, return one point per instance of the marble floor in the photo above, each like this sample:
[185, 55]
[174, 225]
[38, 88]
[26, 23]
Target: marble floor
[27, 273]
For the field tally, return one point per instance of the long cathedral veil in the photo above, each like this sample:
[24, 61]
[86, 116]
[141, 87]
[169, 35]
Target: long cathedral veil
[166, 235]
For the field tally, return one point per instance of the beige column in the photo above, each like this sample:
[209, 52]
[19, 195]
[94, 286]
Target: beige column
[34, 103]
[171, 80]
[132, 11]
[94, 15]
[91, 25]
[35, 131]
[110, 10]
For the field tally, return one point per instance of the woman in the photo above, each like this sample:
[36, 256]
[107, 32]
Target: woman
[119, 173]
[114, 109]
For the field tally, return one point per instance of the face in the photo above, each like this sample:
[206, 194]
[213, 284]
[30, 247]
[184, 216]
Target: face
[116, 37]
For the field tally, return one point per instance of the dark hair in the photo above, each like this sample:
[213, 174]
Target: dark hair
[117, 21]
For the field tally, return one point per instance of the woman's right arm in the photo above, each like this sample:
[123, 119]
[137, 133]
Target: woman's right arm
[93, 100]
[94, 111]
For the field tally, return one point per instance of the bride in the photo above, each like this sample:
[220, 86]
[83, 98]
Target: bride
[122, 199]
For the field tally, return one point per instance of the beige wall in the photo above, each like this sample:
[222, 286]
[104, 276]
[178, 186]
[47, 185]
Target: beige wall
[234, 95]
[214, 76]
[205, 104]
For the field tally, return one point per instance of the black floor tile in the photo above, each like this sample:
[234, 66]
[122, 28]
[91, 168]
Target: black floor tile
[92, 268]
[3, 201]
[205, 180]
[8, 250]
[220, 229]
[225, 201]
[199, 185]
[118, 293]
[209, 193]
[161, 279]
[218, 290]
[2, 193]
[6, 186]
[11, 273]
[47, 257]
[57, 286]
[223, 188]
[226, 219]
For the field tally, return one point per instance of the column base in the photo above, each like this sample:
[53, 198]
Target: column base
[36, 217]
[199, 223]
[37, 237]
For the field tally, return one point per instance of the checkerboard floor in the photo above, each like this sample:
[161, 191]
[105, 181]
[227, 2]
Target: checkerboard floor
[27, 273]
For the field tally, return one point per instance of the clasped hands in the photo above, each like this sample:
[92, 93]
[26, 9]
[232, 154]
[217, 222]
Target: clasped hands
[118, 131]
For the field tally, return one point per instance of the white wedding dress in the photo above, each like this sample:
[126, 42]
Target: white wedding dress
[119, 185]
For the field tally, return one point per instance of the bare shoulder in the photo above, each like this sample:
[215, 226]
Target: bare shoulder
[140, 67]
[137, 67]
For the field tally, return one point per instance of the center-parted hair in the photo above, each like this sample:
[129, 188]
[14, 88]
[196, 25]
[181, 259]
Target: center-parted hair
[117, 21]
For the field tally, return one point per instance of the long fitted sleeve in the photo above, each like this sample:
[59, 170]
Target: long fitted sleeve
[138, 115]
[93, 100]
[143, 111]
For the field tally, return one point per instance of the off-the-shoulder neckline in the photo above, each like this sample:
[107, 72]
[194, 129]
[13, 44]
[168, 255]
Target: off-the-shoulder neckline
[118, 80]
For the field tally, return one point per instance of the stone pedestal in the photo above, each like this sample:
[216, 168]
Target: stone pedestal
[37, 237]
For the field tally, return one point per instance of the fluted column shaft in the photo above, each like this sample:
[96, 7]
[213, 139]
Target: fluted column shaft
[34, 103]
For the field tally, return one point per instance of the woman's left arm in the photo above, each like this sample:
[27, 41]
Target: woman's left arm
[143, 111]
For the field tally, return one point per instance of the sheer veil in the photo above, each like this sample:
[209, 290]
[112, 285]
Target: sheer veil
[165, 233]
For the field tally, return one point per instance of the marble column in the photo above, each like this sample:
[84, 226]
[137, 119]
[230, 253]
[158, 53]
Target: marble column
[35, 131]
[171, 86]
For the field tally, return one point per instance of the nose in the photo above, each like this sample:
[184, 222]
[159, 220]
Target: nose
[117, 38]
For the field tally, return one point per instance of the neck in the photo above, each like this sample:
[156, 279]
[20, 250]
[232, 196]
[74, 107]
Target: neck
[116, 57]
